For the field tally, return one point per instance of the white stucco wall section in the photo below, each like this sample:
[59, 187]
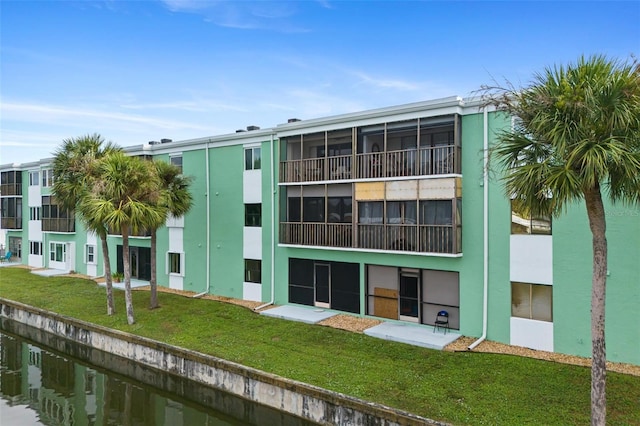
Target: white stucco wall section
[252, 291]
[35, 198]
[252, 186]
[252, 242]
[531, 259]
[532, 334]
[176, 245]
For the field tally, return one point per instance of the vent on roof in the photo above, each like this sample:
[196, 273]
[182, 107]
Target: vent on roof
[165, 140]
[250, 128]
[240, 130]
[153, 142]
[293, 120]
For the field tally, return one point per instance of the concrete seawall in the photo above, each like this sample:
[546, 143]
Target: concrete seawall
[296, 398]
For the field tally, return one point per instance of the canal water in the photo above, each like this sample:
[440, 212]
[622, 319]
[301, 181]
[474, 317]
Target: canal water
[48, 380]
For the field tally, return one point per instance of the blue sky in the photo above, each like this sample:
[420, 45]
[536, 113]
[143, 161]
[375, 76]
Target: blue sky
[135, 71]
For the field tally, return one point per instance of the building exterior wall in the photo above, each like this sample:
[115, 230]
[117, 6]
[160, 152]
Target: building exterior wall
[215, 241]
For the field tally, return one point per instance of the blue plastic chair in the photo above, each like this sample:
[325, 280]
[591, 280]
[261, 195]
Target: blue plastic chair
[442, 321]
[7, 256]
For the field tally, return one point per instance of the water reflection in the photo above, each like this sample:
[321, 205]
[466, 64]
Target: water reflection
[65, 390]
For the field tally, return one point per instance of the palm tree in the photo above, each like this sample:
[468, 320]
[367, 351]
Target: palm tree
[124, 199]
[577, 138]
[75, 172]
[175, 200]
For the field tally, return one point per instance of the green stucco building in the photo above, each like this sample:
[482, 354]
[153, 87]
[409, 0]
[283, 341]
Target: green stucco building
[390, 213]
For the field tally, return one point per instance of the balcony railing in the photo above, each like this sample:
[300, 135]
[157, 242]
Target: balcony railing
[316, 234]
[11, 223]
[405, 163]
[11, 189]
[404, 238]
[59, 225]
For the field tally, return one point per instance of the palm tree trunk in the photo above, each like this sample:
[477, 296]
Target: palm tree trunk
[153, 302]
[107, 274]
[597, 223]
[127, 275]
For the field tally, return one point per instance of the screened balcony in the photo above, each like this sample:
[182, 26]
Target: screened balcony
[11, 183]
[420, 147]
[11, 212]
[422, 226]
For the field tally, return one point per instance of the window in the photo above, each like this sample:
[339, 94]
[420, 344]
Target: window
[436, 212]
[175, 263]
[371, 212]
[58, 252]
[253, 271]
[313, 209]
[522, 222]
[253, 215]
[402, 212]
[35, 248]
[47, 177]
[34, 178]
[339, 209]
[90, 254]
[532, 301]
[252, 160]
[34, 213]
[176, 160]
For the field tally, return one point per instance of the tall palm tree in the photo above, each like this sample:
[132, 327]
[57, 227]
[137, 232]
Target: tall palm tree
[125, 199]
[75, 173]
[577, 138]
[175, 200]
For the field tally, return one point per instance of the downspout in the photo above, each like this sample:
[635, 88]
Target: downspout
[273, 240]
[208, 223]
[485, 187]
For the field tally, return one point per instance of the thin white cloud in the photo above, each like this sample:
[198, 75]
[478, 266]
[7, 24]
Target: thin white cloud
[43, 113]
[244, 15]
[385, 83]
[190, 106]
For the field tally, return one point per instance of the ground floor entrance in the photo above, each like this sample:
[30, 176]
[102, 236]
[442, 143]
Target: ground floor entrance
[331, 285]
[413, 295]
[140, 261]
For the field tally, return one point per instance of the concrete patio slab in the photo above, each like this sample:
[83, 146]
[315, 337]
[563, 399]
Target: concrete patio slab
[412, 334]
[296, 313]
[49, 272]
[120, 286]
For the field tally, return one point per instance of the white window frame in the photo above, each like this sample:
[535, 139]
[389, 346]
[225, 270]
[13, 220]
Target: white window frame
[168, 263]
[90, 250]
[37, 244]
[47, 177]
[247, 271]
[253, 157]
[34, 213]
[34, 178]
[52, 251]
[176, 155]
[529, 301]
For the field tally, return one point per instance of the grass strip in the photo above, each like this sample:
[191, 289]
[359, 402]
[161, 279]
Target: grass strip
[461, 388]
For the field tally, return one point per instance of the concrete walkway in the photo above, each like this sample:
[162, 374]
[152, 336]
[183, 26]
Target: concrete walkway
[49, 272]
[411, 334]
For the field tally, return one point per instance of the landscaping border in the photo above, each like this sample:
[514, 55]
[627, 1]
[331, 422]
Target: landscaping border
[300, 399]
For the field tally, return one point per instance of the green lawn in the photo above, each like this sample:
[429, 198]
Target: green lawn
[460, 388]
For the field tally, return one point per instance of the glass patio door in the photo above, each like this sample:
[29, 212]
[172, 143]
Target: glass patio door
[322, 274]
[409, 297]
